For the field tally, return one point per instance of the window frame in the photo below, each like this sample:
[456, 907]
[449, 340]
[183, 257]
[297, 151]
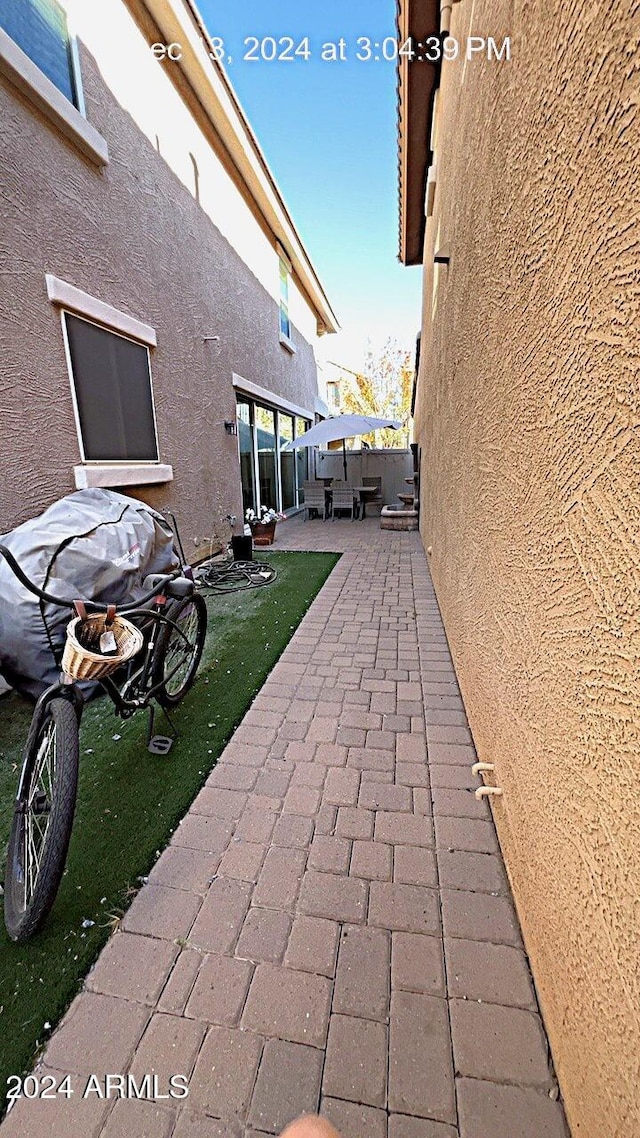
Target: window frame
[284, 279]
[101, 472]
[268, 401]
[23, 72]
[73, 59]
[108, 462]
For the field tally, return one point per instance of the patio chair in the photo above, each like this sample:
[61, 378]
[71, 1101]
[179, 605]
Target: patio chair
[374, 480]
[314, 499]
[344, 499]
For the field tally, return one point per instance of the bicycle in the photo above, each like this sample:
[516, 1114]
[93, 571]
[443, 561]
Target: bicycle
[165, 643]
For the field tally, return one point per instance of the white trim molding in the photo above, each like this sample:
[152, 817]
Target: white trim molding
[75, 300]
[265, 396]
[16, 66]
[126, 475]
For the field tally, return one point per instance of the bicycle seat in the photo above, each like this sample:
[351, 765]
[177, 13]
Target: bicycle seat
[179, 587]
[153, 581]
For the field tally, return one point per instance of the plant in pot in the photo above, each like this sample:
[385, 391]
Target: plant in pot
[262, 525]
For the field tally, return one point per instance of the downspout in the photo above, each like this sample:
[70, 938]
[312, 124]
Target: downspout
[446, 8]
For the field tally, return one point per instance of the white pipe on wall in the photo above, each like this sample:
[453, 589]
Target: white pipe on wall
[487, 791]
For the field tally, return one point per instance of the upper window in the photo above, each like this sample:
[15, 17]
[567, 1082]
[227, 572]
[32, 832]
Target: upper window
[113, 394]
[285, 323]
[39, 27]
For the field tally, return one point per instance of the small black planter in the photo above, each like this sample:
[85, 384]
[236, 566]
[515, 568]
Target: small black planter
[242, 548]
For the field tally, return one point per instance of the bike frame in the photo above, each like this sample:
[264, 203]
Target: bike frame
[31, 884]
[67, 688]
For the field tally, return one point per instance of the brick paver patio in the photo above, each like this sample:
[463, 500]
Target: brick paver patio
[331, 927]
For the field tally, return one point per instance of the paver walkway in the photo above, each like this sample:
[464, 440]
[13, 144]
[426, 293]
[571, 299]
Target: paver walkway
[331, 926]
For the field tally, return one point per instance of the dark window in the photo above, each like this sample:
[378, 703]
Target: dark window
[39, 27]
[112, 383]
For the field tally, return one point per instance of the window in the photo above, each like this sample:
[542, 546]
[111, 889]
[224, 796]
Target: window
[40, 58]
[39, 27]
[113, 396]
[285, 322]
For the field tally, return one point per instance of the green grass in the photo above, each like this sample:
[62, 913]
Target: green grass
[129, 801]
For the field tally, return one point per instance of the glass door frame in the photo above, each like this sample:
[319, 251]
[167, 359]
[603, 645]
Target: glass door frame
[277, 411]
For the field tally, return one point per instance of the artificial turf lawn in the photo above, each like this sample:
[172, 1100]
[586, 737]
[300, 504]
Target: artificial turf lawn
[129, 801]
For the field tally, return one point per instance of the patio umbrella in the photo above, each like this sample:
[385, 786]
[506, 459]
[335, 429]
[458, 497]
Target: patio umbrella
[341, 427]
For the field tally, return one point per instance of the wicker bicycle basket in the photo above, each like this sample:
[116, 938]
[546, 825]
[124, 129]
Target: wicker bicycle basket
[81, 663]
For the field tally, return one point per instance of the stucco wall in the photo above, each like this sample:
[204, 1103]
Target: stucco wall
[134, 237]
[528, 414]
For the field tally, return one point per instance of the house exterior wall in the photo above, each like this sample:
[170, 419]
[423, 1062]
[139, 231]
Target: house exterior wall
[134, 236]
[528, 415]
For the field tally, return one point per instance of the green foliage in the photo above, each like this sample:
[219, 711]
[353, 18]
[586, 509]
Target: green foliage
[382, 390]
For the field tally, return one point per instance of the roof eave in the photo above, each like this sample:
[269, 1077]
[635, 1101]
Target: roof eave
[417, 83]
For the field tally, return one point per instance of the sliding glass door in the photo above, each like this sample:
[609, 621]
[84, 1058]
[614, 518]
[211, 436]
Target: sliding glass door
[302, 460]
[266, 439]
[287, 462]
[271, 476]
[245, 447]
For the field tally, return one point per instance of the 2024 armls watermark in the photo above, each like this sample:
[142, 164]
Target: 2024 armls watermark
[151, 1088]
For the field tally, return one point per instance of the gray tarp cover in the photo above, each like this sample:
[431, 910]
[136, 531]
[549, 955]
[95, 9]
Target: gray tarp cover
[92, 545]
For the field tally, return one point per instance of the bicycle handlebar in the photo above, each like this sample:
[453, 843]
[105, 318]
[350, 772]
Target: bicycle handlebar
[92, 605]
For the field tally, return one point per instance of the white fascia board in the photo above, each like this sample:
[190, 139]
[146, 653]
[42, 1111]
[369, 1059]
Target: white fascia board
[181, 23]
[43, 94]
[75, 300]
[265, 396]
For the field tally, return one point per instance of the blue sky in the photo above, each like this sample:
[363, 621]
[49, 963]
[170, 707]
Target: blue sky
[328, 131]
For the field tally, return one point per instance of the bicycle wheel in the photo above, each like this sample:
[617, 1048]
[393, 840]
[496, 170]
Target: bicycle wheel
[178, 653]
[42, 819]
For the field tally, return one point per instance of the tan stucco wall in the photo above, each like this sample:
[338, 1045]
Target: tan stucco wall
[133, 236]
[528, 415]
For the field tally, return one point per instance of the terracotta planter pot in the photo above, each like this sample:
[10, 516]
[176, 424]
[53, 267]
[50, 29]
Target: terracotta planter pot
[263, 533]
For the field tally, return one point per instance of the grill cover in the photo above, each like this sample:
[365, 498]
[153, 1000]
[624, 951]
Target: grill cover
[94, 545]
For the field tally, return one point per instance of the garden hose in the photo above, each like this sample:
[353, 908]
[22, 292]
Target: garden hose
[232, 576]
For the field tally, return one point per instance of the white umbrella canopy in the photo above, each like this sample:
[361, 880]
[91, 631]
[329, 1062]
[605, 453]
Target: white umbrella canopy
[341, 427]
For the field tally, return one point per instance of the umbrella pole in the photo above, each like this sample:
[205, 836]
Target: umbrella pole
[344, 458]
